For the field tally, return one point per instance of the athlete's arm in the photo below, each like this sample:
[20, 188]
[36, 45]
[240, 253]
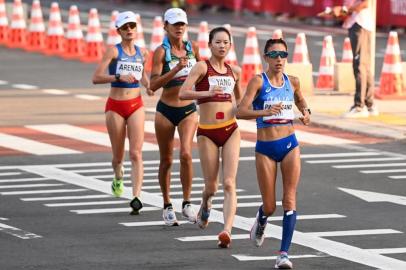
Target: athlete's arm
[245, 110]
[300, 101]
[100, 75]
[145, 79]
[158, 80]
[195, 75]
[195, 48]
[237, 88]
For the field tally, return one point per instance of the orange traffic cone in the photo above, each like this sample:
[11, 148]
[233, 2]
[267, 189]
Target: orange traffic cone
[94, 47]
[231, 57]
[301, 53]
[277, 34]
[18, 29]
[74, 43]
[391, 82]
[347, 51]
[156, 40]
[54, 41]
[251, 62]
[325, 80]
[140, 41]
[3, 23]
[203, 41]
[36, 30]
[113, 37]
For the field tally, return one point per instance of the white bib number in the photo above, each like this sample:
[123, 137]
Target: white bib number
[285, 114]
[226, 83]
[186, 70]
[126, 68]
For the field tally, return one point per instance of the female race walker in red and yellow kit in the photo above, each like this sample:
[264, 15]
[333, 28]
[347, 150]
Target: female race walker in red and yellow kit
[172, 62]
[124, 108]
[269, 99]
[215, 83]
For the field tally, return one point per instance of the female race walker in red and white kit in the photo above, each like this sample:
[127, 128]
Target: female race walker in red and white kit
[124, 108]
[172, 62]
[215, 83]
[270, 98]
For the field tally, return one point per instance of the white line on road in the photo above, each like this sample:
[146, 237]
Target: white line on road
[30, 186]
[246, 258]
[353, 232]
[3, 82]
[24, 86]
[88, 97]
[85, 203]
[397, 177]
[387, 250]
[172, 186]
[33, 179]
[33, 147]
[354, 154]
[55, 92]
[18, 232]
[10, 173]
[193, 192]
[352, 160]
[112, 210]
[370, 165]
[42, 191]
[56, 198]
[383, 171]
[149, 223]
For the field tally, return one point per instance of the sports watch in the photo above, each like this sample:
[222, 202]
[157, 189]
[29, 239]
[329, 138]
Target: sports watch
[117, 76]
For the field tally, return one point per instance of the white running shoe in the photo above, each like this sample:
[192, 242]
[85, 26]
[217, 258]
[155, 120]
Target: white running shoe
[373, 111]
[257, 234]
[189, 213]
[282, 262]
[169, 217]
[357, 112]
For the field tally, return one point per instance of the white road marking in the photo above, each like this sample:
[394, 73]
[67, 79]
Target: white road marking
[192, 192]
[88, 97]
[3, 82]
[56, 198]
[33, 179]
[10, 173]
[370, 196]
[172, 186]
[397, 177]
[55, 92]
[85, 203]
[353, 232]
[18, 232]
[352, 160]
[83, 134]
[146, 168]
[304, 217]
[42, 191]
[383, 171]
[149, 223]
[336, 155]
[33, 147]
[240, 197]
[111, 210]
[387, 250]
[239, 205]
[24, 86]
[30, 186]
[370, 165]
[333, 248]
[247, 258]
[172, 180]
[211, 237]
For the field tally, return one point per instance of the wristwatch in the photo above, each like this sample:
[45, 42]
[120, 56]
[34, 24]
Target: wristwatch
[117, 76]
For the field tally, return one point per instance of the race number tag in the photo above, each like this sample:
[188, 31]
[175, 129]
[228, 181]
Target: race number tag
[285, 114]
[186, 70]
[226, 83]
[126, 68]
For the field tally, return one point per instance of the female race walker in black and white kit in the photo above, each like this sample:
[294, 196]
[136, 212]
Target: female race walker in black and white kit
[172, 63]
[269, 99]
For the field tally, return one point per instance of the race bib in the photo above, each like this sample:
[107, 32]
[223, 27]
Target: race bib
[186, 70]
[285, 114]
[126, 68]
[226, 83]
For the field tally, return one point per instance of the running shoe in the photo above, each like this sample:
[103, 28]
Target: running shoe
[117, 187]
[257, 234]
[203, 218]
[224, 239]
[169, 217]
[189, 213]
[136, 206]
[282, 262]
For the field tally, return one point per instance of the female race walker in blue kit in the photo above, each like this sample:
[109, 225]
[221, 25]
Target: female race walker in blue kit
[269, 99]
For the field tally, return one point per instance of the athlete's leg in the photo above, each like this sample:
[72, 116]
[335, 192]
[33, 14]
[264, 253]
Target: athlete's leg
[187, 129]
[164, 131]
[116, 127]
[266, 177]
[290, 167]
[135, 129]
[230, 155]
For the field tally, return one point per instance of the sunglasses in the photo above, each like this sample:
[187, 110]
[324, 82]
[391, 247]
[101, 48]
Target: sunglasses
[130, 25]
[276, 54]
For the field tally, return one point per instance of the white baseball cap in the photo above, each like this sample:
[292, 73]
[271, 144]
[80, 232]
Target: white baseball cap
[175, 15]
[125, 17]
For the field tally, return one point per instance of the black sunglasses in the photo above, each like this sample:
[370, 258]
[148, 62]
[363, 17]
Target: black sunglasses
[276, 54]
[130, 25]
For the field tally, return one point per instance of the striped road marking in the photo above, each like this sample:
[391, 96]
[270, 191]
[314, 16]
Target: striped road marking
[370, 165]
[85, 203]
[24, 86]
[55, 92]
[42, 191]
[57, 198]
[353, 160]
[150, 223]
[246, 258]
[33, 179]
[337, 155]
[353, 232]
[29, 186]
[83, 134]
[18, 232]
[33, 147]
[112, 210]
[397, 177]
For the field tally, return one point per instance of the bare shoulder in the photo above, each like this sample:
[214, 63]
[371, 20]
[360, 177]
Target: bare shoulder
[294, 81]
[236, 69]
